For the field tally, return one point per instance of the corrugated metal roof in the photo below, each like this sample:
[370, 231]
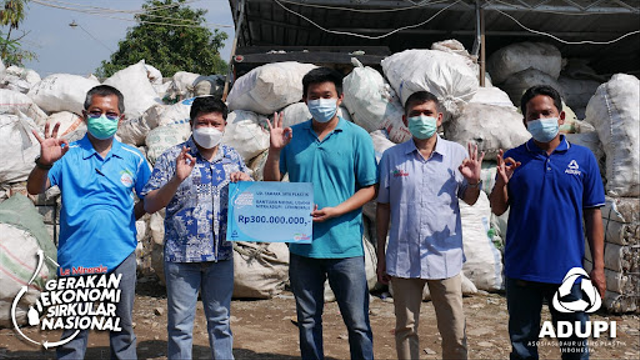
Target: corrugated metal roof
[369, 22]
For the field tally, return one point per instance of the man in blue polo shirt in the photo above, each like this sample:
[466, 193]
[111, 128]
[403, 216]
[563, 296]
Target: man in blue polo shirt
[338, 158]
[97, 177]
[550, 185]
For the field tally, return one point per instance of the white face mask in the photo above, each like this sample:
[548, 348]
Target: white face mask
[207, 137]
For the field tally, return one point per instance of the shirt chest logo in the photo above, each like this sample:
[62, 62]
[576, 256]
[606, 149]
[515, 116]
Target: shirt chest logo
[573, 168]
[399, 173]
[126, 178]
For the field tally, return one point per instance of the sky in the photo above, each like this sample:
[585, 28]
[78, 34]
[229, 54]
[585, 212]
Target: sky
[79, 50]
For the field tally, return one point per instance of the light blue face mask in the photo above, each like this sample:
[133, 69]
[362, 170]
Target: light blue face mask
[323, 110]
[422, 127]
[102, 128]
[543, 130]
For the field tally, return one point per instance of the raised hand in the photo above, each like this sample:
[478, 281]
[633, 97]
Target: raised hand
[51, 149]
[184, 164]
[471, 166]
[506, 168]
[280, 136]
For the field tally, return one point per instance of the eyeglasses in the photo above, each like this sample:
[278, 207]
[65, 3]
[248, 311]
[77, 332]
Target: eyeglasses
[97, 114]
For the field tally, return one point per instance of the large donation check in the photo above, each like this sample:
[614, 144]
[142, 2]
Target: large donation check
[270, 212]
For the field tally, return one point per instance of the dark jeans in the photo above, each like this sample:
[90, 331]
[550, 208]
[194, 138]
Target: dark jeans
[348, 281]
[524, 301]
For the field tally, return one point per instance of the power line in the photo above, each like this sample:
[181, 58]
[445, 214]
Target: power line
[361, 35]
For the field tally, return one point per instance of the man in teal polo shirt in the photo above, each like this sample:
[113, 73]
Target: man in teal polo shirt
[550, 186]
[97, 177]
[338, 158]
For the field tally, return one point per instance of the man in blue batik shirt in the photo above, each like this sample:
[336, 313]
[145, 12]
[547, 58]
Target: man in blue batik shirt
[550, 185]
[97, 177]
[192, 180]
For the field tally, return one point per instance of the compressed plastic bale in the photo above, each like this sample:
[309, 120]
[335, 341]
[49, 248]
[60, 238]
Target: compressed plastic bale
[517, 57]
[268, 88]
[62, 92]
[445, 75]
[621, 209]
[138, 93]
[614, 111]
[18, 147]
[12, 101]
[484, 261]
[22, 236]
[490, 127]
[618, 282]
[591, 141]
[518, 83]
[245, 132]
[373, 104]
[257, 165]
[617, 258]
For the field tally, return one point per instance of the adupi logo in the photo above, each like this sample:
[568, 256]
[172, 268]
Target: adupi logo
[591, 304]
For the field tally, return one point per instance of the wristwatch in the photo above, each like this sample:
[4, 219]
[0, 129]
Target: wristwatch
[42, 166]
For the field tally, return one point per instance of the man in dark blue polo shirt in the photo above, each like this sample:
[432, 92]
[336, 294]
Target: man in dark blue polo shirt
[550, 186]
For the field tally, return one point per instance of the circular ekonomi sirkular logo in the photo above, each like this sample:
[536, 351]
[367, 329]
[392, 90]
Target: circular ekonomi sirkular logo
[589, 305]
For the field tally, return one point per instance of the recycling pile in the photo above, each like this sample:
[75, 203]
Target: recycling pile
[614, 111]
[157, 117]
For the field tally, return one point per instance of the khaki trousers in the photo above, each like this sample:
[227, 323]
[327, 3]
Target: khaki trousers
[446, 296]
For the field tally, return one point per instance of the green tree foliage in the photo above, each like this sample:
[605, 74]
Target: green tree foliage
[12, 13]
[168, 47]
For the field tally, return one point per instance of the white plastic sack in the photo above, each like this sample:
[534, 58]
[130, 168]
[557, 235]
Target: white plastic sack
[176, 113]
[19, 79]
[138, 93]
[209, 85]
[12, 101]
[18, 147]
[518, 83]
[455, 47]
[373, 104]
[614, 110]
[69, 122]
[181, 86]
[490, 127]
[62, 92]
[162, 138]
[484, 262]
[517, 57]
[245, 132]
[154, 75]
[445, 75]
[269, 88]
[381, 143]
[493, 96]
[134, 131]
[22, 235]
[261, 270]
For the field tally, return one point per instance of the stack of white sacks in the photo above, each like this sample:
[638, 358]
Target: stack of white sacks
[157, 117]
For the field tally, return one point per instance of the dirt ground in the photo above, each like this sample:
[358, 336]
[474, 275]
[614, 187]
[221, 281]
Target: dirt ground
[265, 329]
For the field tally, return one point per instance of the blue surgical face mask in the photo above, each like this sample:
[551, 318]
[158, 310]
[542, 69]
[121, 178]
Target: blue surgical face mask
[543, 130]
[323, 110]
[422, 126]
[102, 128]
